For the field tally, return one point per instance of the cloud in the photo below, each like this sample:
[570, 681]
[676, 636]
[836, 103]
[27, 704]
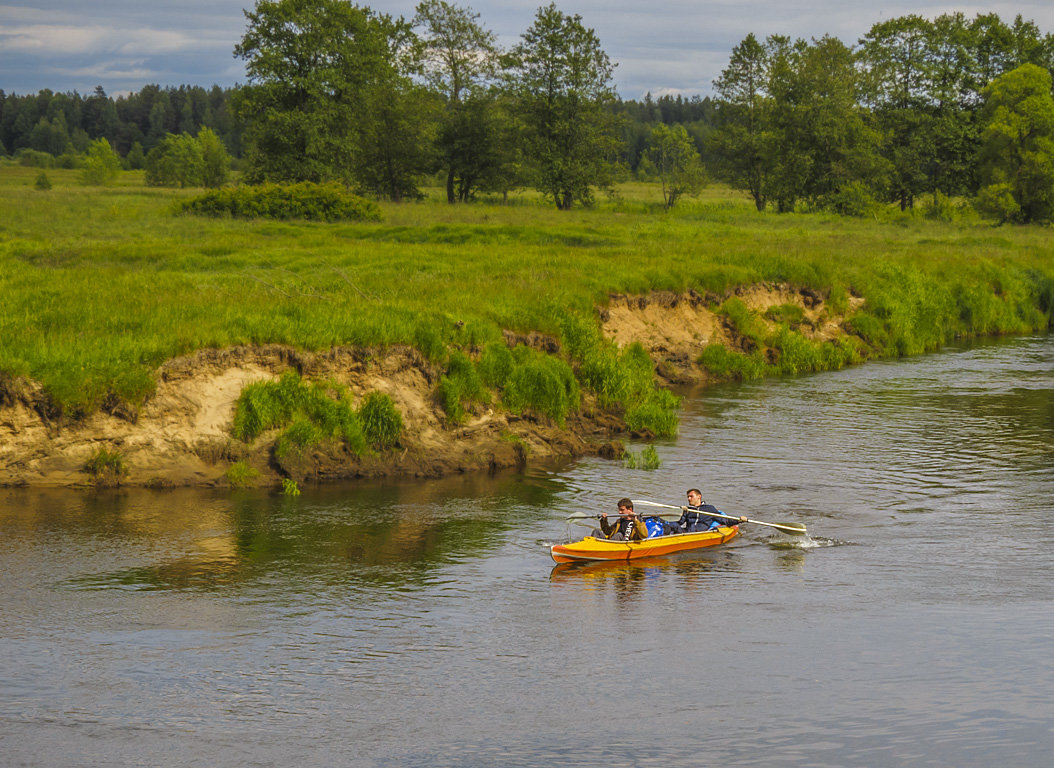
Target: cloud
[676, 46]
[49, 39]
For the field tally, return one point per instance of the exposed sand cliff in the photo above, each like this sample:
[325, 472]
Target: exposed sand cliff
[181, 435]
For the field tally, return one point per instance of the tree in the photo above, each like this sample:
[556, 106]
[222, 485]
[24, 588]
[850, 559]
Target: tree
[898, 86]
[743, 141]
[1017, 155]
[825, 142]
[677, 162]
[216, 163]
[560, 79]
[177, 161]
[460, 57]
[50, 136]
[393, 122]
[102, 164]
[330, 96]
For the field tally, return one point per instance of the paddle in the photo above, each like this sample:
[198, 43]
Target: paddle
[795, 529]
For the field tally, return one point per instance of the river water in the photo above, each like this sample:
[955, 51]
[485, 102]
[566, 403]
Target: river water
[424, 624]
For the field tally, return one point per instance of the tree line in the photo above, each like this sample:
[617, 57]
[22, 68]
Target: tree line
[934, 108]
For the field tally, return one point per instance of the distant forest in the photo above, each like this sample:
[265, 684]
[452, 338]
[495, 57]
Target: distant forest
[64, 124]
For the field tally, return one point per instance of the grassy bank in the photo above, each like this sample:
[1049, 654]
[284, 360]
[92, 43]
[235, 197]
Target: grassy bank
[99, 286]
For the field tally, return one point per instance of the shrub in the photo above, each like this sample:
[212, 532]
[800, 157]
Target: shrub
[177, 161]
[854, 199]
[103, 460]
[495, 364]
[727, 364]
[241, 475]
[43, 183]
[648, 459]
[541, 383]
[656, 413]
[381, 422]
[102, 164]
[787, 314]
[32, 158]
[996, 201]
[306, 200]
[312, 412]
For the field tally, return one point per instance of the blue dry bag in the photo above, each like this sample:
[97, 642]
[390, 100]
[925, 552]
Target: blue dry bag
[654, 525]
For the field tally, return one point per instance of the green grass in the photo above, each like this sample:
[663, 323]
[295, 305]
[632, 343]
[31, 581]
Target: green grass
[99, 286]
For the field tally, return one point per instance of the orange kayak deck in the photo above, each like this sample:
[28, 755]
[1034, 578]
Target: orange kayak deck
[591, 548]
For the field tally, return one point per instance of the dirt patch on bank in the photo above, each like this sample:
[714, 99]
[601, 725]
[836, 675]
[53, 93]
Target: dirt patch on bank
[675, 328]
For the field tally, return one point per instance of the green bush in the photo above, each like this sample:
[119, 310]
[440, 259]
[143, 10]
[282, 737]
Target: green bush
[382, 423]
[101, 166]
[495, 364]
[647, 459]
[787, 314]
[313, 411]
[33, 158]
[656, 413]
[460, 384]
[306, 200]
[542, 384]
[743, 321]
[727, 364]
[996, 201]
[105, 462]
[241, 475]
[43, 183]
[854, 199]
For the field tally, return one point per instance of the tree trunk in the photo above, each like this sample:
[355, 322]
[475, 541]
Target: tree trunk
[450, 186]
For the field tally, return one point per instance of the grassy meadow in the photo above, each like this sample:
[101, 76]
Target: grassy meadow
[98, 286]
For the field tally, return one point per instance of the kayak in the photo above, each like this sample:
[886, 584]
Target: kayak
[591, 548]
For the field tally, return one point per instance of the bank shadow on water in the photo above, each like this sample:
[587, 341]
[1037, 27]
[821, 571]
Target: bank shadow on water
[384, 536]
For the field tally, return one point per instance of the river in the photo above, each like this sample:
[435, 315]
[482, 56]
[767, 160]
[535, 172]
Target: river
[423, 624]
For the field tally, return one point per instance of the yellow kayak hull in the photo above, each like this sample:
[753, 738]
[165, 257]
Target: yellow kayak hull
[591, 548]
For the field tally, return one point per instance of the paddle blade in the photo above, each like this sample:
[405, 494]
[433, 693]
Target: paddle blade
[793, 529]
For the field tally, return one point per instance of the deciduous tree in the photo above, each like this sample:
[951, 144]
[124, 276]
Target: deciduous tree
[460, 61]
[677, 163]
[1017, 156]
[561, 83]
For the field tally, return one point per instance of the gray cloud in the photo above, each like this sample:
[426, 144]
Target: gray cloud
[675, 46]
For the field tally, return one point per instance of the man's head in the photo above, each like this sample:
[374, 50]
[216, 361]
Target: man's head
[695, 497]
[625, 508]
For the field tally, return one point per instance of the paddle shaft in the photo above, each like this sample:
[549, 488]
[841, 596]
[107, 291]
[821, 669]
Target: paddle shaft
[798, 529]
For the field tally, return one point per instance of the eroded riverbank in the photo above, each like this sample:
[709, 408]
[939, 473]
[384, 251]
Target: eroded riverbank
[181, 435]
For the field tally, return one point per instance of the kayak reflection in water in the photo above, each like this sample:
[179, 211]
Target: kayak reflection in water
[628, 527]
[696, 516]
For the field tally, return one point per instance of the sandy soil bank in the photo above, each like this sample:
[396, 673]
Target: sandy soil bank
[181, 435]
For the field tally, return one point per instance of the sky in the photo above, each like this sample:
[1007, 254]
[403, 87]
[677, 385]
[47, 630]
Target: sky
[659, 47]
